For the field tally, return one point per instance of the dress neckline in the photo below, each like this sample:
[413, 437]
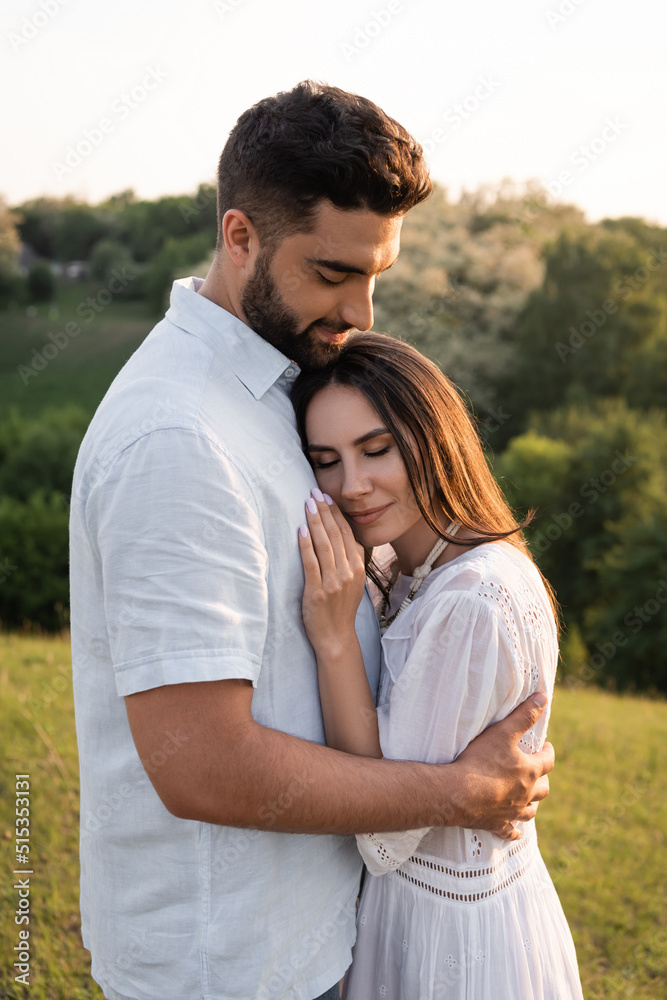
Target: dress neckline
[451, 562]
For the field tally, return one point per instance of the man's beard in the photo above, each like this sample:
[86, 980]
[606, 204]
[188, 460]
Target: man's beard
[269, 316]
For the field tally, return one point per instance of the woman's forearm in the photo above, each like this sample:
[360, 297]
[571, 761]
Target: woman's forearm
[350, 718]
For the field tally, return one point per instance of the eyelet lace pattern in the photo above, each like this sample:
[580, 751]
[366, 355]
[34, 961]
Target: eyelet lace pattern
[472, 884]
[535, 623]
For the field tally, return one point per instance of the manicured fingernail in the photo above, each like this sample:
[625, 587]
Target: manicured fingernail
[303, 530]
[327, 498]
[540, 699]
[311, 505]
[319, 496]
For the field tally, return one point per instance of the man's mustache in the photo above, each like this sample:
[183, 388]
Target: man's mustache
[334, 327]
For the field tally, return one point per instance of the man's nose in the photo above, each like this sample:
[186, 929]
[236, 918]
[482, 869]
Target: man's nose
[357, 309]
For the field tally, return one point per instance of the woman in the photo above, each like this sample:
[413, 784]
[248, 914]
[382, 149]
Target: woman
[469, 633]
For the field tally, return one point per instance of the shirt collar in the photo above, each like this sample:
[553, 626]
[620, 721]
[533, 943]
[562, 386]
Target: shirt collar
[255, 362]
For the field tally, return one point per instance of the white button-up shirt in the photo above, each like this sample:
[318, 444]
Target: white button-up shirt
[188, 491]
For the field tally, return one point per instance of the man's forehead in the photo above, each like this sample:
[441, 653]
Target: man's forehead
[354, 240]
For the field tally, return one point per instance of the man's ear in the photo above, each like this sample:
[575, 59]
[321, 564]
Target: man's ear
[240, 237]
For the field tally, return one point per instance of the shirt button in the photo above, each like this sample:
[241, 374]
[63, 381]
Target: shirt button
[289, 372]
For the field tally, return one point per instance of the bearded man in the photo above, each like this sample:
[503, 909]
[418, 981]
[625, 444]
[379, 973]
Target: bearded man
[216, 853]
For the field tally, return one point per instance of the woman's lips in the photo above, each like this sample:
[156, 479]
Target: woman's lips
[368, 516]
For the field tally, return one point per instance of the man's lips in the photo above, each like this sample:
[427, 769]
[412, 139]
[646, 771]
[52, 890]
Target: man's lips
[332, 336]
[366, 516]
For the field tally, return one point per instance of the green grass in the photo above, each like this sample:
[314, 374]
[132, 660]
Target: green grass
[602, 831]
[84, 367]
[37, 726]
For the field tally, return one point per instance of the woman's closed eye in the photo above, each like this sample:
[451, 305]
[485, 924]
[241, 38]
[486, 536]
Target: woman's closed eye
[367, 454]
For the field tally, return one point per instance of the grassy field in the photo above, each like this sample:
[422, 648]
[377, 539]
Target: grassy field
[602, 831]
[76, 367]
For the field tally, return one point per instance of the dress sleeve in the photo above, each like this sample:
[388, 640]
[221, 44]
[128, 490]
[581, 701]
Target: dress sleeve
[465, 669]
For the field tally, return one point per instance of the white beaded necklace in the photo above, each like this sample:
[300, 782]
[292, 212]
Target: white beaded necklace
[418, 578]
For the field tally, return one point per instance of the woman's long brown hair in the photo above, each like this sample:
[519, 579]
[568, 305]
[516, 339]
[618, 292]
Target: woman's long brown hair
[434, 433]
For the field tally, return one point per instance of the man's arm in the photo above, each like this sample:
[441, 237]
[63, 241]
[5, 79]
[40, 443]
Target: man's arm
[230, 770]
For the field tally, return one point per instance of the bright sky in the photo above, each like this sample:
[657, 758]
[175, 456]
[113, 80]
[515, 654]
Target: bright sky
[567, 91]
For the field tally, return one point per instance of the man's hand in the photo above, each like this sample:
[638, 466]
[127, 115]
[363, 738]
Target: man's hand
[500, 784]
[231, 770]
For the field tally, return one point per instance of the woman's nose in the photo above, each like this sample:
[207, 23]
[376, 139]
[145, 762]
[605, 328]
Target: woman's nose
[354, 484]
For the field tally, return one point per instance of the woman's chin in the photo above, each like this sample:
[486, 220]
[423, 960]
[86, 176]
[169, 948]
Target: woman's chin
[370, 537]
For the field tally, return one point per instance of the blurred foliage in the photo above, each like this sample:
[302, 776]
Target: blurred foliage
[555, 329]
[174, 257]
[596, 327]
[463, 277]
[34, 587]
[110, 258]
[41, 284]
[597, 477]
[36, 463]
[40, 453]
[154, 240]
[9, 250]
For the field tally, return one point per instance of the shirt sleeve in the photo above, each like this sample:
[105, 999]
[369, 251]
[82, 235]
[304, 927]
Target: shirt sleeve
[183, 563]
[461, 674]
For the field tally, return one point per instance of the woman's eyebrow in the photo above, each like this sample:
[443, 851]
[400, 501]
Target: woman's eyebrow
[378, 432]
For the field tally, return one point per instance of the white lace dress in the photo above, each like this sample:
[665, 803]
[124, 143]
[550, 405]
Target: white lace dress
[451, 913]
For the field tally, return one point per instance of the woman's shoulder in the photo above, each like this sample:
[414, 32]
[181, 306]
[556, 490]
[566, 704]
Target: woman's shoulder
[497, 563]
[495, 578]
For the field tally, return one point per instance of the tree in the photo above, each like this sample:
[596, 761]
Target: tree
[34, 587]
[110, 257]
[9, 250]
[175, 257]
[37, 220]
[39, 454]
[147, 225]
[78, 229]
[41, 282]
[597, 477]
[597, 327]
[463, 277]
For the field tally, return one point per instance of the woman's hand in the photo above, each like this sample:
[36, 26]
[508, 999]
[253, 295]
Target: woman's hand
[335, 574]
